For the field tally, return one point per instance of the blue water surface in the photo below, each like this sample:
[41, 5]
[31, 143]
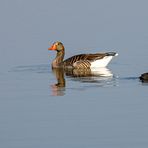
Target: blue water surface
[75, 111]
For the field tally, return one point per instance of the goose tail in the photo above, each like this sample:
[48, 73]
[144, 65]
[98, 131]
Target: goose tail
[111, 54]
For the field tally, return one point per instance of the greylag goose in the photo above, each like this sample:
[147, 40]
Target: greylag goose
[81, 61]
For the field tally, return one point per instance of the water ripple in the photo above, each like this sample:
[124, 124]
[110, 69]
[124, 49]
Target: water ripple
[42, 68]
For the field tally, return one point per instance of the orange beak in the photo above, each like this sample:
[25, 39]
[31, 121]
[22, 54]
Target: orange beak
[53, 47]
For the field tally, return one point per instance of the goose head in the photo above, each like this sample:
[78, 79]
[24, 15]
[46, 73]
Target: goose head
[57, 46]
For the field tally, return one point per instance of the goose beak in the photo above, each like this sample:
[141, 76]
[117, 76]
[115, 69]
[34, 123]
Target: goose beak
[53, 47]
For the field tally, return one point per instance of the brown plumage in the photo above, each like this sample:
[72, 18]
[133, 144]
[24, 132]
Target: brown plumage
[79, 61]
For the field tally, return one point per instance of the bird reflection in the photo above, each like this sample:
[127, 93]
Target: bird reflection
[82, 75]
[58, 89]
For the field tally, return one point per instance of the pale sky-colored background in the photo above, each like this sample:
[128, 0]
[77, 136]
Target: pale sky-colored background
[91, 111]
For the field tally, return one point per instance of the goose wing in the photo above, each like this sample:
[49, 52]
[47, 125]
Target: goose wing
[83, 60]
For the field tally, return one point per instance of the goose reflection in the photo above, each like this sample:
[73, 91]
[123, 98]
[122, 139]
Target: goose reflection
[99, 75]
[58, 89]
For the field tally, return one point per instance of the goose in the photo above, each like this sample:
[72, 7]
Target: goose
[80, 61]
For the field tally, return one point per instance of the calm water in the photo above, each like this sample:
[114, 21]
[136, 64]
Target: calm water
[44, 108]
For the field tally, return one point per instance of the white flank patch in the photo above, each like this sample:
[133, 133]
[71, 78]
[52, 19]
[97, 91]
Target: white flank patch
[102, 72]
[101, 62]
